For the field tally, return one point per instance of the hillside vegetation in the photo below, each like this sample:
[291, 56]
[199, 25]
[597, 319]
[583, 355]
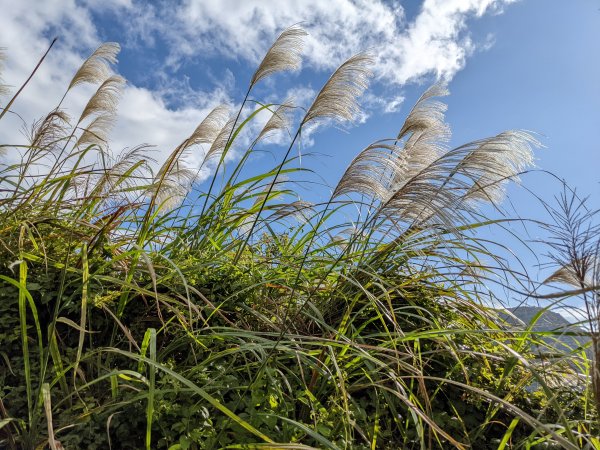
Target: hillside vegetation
[140, 308]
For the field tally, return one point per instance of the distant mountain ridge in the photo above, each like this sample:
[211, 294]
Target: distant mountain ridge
[548, 321]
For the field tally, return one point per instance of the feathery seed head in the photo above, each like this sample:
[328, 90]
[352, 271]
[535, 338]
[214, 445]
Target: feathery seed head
[175, 186]
[280, 120]
[96, 69]
[372, 171]
[338, 97]
[494, 161]
[118, 175]
[209, 128]
[46, 133]
[566, 275]
[96, 133]
[103, 105]
[106, 98]
[425, 124]
[284, 54]
[220, 142]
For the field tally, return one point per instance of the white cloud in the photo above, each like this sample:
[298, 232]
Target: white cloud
[26, 29]
[436, 42]
[394, 104]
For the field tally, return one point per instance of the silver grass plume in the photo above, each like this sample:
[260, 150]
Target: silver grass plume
[103, 105]
[418, 180]
[49, 131]
[443, 192]
[425, 132]
[175, 178]
[128, 170]
[218, 146]
[427, 115]
[371, 171]
[337, 99]
[106, 98]
[300, 210]
[174, 186]
[567, 275]
[284, 54]
[382, 168]
[209, 128]
[495, 161]
[96, 132]
[280, 120]
[582, 269]
[96, 69]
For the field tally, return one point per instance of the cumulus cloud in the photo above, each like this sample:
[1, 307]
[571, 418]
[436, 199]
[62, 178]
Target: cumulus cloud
[434, 42]
[144, 115]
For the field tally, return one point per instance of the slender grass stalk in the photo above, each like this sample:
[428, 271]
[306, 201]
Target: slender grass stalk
[33, 72]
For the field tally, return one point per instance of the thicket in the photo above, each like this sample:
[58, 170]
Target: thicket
[141, 308]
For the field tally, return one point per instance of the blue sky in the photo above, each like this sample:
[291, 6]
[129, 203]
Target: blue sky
[528, 64]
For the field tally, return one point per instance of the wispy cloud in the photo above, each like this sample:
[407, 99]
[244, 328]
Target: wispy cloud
[145, 115]
[436, 41]
[163, 112]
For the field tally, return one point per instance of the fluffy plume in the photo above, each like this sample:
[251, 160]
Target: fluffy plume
[565, 275]
[175, 178]
[119, 174]
[417, 180]
[427, 116]
[494, 161]
[300, 210]
[441, 192]
[284, 54]
[383, 168]
[49, 131]
[578, 273]
[209, 128]
[103, 105]
[338, 97]
[425, 133]
[96, 133]
[280, 120]
[371, 172]
[424, 136]
[173, 187]
[106, 98]
[96, 69]
[218, 146]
